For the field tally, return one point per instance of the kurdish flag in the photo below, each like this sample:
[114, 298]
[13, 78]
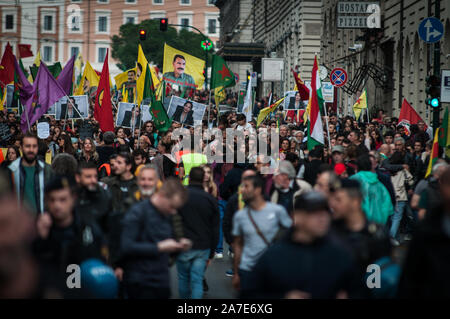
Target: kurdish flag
[318, 91]
[264, 113]
[360, 104]
[315, 127]
[145, 90]
[221, 78]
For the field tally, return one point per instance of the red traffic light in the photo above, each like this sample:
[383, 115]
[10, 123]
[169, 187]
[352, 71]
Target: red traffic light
[163, 24]
[142, 32]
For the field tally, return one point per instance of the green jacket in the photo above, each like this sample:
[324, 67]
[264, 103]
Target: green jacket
[376, 199]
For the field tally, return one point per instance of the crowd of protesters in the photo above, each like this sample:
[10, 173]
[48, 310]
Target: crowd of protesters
[307, 230]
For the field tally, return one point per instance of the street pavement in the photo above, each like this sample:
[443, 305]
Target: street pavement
[219, 284]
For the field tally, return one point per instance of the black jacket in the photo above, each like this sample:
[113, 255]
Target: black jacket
[201, 219]
[385, 179]
[120, 204]
[288, 266]
[143, 227]
[367, 245]
[311, 171]
[425, 270]
[231, 182]
[104, 153]
[227, 223]
[80, 241]
[95, 205]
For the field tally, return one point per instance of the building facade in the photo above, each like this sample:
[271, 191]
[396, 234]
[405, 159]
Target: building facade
[252, 30]
[391, 62]
[61, 28]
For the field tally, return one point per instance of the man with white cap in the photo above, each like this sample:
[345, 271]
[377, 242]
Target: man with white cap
[284, 186]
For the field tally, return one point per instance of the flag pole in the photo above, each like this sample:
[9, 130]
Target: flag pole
[140, 123]
[326, 120]
[28, 120]
[209, 106]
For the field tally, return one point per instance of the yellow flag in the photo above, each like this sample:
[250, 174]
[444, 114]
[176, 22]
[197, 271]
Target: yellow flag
[219, 95]
[121, 78]
[142, 70]
[267, 110]
[193, 71]
[155, 80]
[360, 104]
[48, 157]
[90, 75]
[37, 60]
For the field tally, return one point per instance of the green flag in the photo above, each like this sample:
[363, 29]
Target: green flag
[221, 75]
[54, 69]
[157, 110]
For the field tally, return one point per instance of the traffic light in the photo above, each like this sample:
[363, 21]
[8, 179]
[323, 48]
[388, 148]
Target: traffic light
[163, 24]
[207, 45]
[433, 102]
[142, 34]
[433, 90]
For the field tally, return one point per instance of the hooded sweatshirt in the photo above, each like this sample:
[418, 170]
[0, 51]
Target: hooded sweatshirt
[376, 199]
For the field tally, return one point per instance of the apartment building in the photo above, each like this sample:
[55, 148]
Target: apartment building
[61, 28]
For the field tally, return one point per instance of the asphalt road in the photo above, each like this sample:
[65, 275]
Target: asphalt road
[219, 284]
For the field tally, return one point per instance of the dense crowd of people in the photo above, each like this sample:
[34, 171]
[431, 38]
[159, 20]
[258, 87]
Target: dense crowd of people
[308, 230]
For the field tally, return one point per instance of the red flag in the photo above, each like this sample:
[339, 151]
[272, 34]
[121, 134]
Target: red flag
[408, 116]
[103, 108]
[25, 51]
[302, 88]
[7, 67]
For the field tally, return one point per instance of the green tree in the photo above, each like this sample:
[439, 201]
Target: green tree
[125, 45]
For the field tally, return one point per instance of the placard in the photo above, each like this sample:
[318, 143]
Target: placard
[43, 130]
[189, 115]
[5, 132]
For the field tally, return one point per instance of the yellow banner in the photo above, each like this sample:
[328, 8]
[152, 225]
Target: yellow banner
[182, 69]
[91, 76]
[121, 78]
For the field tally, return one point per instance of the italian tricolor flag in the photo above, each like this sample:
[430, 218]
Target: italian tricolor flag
[315, 127]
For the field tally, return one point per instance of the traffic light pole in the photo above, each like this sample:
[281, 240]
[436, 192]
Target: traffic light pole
[206, 51]
[437, 64]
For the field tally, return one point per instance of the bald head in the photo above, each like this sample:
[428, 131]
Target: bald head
[385, 149]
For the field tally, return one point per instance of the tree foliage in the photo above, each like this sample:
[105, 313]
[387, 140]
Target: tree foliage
[125, 45]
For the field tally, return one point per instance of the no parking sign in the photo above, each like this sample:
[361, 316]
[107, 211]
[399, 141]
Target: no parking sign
[338, 77]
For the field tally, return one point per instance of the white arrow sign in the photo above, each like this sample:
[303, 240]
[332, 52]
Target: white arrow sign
[435, 33]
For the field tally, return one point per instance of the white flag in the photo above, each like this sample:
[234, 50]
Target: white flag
[247, 108]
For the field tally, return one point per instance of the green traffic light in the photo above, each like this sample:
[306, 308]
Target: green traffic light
[434, 102]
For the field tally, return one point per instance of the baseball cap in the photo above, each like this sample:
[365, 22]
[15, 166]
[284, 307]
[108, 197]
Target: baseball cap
[337, 148]
[339, 168]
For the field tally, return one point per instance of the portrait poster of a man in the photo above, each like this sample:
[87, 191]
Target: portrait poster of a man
[182, 70]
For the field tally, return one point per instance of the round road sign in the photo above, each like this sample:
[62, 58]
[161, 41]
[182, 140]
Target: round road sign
[338, 77]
